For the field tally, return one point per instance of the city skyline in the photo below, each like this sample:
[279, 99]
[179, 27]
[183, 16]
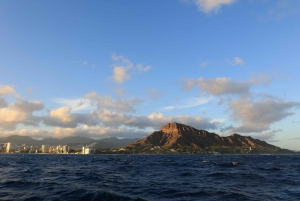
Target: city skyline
[124, 69]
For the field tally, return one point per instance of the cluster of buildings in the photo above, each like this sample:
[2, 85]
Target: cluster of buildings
[16, 148]
[60, 149]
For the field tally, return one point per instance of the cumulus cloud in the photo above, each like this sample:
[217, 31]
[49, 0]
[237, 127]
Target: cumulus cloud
[9, 117]
[217, 86]
[5, 89]
[120, 69]
[27, 106]
[208, 6]
[188, 83]
[120, 74]
[123, 66]
[95, 132]
[62, 113]
[115, 119]
[107, 102]
[258, 116]
[18, 113]
[3, 103]
[153, 120]
[155, 94]
[63, 117]
[224, 85]
[111, 117]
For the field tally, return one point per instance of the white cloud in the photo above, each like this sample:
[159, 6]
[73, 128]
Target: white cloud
[217, 120]
[108, 119]
[208, 6]
[27, 106]
[62, 117]
[9, 116]
[188, 83]
[114, 119]
[225, 86]
[5, 89]
[123, 67]
[222, 85]
[191, 102]
[3, 103]
[141, 68]
[95, 132]
[124, 61]
[62, 113]
[238, 61]
[120, 74]
[107, 102]
[85, 63]
[76, 104]
[120, 69]
[19, 112]
[258, 116]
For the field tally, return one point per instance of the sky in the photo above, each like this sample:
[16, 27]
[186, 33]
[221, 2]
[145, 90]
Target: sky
[125, 68]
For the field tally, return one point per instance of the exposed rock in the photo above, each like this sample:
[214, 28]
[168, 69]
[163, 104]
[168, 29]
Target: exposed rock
[176, 134]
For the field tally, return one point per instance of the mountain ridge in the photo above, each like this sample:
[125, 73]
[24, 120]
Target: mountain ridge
[176, 134]
[110, 142]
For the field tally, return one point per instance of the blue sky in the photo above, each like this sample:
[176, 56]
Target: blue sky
[125, 68]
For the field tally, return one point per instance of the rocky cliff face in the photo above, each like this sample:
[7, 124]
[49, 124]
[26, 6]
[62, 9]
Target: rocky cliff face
[175, 134]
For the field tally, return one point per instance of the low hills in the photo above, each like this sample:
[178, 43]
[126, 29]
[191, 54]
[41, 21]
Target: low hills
[111, 142]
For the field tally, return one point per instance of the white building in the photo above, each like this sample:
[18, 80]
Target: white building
[65, 149]
[11, 147]
[45, 148]
[86, 150]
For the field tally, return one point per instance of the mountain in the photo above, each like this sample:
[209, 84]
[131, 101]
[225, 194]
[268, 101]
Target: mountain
[66, 140]
[180, 135]
[111, 142]
[20, 140]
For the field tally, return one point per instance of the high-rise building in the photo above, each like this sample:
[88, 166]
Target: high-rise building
[66, 149]
[86, 150]
[10, 147]
[45, 148]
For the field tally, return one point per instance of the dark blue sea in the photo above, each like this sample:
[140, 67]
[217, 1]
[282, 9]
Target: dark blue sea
[149, 177]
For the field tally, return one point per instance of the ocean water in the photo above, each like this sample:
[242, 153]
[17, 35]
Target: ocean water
[149, 177]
